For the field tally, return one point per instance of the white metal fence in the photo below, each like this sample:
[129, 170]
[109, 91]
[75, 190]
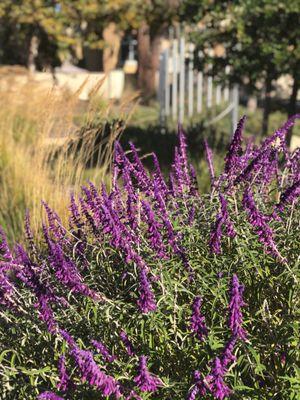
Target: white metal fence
[185, 91]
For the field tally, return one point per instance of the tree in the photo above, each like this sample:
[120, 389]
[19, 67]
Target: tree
[154, 18]
[31, 32]
[260, 41]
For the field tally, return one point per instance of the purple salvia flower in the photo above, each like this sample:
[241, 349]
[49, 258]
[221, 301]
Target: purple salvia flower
[67, 337]
[171, 235]
[227, 354]
[216, 382]
[146, 301]
[215, 236]
[29, 234]
[30, 275]
[194, 183]
[158, 178]
[75, 217]
[183, 154]
[293, 164]
[49, 396]
[119, 155]
[146, 381]
[262, 154]
[209, 160]
[178, 173]
[227, 222]
[103, 350]
[133, 395]
[232, 159]
[91, 373]
[6, 288]
[67, 273]
[127, 343]
[280, 133]
[255, 165]
[198, 388]
[55, 224]
[140, 173]
[154, 227]
[89, 370]
[197, 323]
[289, 195]
[64, 378]
[89, 218]
[235, 309]
[45, 311]
[260, 223]
[173, 186]
[4, 249]
[191, 215]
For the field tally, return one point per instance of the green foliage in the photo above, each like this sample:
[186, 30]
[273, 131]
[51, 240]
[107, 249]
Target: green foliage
[266, 363]
[259, 37]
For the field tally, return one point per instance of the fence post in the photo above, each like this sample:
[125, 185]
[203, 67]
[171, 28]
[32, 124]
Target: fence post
[191, 81]
[174, 78]
[209, 91]
[199, 91]
[226, 89]
[235, 108]
[161, 90]
[166, 83]
[218, 94]
[181, 79]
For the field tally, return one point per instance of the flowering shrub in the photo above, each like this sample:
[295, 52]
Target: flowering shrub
[156, 291]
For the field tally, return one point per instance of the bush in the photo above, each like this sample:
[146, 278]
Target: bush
[155, 291]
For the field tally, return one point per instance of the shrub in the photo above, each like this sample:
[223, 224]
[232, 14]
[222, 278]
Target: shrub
[155, 291]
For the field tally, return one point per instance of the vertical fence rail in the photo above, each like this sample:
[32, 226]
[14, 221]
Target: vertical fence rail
[181, 79]
[191, 82]
[175, 79]
[183, 90]
[199, 91]
[166, 82]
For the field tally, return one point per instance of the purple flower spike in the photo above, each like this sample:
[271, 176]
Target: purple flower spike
[49, 396]
[4, 249]
[197, 323]
[133, 395]
[154, 235]
[209, 160]
[127, 343]
[215, 236]
[227, 355]
[235, 305]
[183, 153]
[228, 224]
[198, 388]
[28, 233]
[90, 371]
[260, 223]
[65, 381]
[289, 195]
[103, 351]
[146, 381]
[6, 289]
[232, 159]
[55, 224]
[146, 301]
[216, 381]
[158, 178]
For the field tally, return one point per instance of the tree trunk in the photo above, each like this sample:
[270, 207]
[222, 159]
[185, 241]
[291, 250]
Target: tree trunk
[292, 108]
[267, 105]
[33, 52]
[112, 39]
[148, 60]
